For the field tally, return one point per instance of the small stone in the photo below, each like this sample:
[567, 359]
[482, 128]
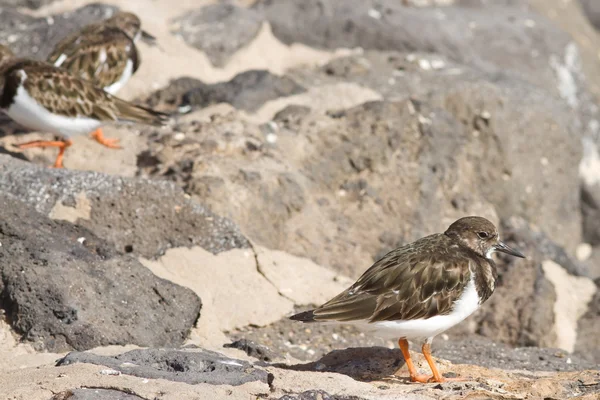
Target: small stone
[583, 251]
[373, 13]
[179, 136]
[424, 64]
[81, 240]
[111, 372]
[271, 138]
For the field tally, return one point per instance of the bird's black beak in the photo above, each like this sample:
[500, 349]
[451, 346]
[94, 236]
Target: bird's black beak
[505, 249]
[148, 38]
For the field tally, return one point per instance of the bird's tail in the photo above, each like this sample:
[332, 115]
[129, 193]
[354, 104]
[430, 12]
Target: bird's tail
[306, 316]
[132, 113]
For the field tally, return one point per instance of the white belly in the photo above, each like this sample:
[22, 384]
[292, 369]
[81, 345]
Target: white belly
[427, 328]
[127, 72]
[29, 113]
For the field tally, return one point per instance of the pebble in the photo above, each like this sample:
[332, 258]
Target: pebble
[583, 251]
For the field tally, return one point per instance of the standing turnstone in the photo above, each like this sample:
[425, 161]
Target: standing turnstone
[419, 290]
[45, 98]
[103, 53]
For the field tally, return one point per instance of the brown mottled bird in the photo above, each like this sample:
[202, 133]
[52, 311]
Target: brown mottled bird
[103, 53]
[419, 290]
[45, 98]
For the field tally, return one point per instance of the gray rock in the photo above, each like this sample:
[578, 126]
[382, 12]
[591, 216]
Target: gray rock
[65, 288]
[189, 366]
[377, 363]
[588, 340]
[591, 9]
[492, 38]
[247, 91]
[137, 216]
[95, 394]
[36, 37]
[219, 29]
[263, 353]
[33, 4]
[487, 353]
[317, 395]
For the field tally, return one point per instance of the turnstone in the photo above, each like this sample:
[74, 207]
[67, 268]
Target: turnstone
[45, 98]
[103, 53]
[421, 289]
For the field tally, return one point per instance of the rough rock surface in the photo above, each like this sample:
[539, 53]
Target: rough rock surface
[236, 27]
[95, 394]
[34, 37]
[588, 343]
[350, 127]
[65, 288]
[137, 216]
[189, 366]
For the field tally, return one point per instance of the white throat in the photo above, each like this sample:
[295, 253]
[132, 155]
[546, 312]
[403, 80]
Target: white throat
[489, 253]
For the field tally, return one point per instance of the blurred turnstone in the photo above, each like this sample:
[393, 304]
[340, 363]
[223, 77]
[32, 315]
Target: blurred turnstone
[45, 98]
[104, 53]
[419, 290]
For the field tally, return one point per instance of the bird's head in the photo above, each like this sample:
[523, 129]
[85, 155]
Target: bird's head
[479, 235]
[131, 25]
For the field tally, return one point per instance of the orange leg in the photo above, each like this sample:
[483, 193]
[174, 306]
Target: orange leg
[437, 377]
[414, 377]
[110, 143]
[61, 144]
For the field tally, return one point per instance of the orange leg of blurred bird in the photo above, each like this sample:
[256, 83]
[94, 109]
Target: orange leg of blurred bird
[110, 143]
[414, 377]
[437, 377]
[61, 144]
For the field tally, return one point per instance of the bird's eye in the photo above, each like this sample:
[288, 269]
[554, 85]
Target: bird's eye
[483, 235]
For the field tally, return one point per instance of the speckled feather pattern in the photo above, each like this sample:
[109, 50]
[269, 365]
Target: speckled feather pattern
[416, 281]
[99, 52]
[60, 93]
[100, 57]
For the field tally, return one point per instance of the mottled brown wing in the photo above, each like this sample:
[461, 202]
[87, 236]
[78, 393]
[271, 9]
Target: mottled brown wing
[72, 41]
[413, 282]
[101, 57]
[64, 94]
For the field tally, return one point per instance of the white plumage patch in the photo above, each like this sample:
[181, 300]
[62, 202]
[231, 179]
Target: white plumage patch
[60, 60]
[127, 72]
[28, 112]
[426, 328]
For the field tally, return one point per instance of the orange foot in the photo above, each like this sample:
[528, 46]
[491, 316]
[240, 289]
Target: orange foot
[414, 377]
[110, 143]
[61, 144]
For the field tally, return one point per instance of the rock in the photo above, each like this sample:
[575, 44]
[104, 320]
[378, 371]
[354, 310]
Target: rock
[317, 395]
[189, 366]
[137, 216]
[219, 29]
[496, 39]
[588, 341]
[65, 288]
[377, 363]
[331, 184]
[36, 37]
[591, 9]
[247, 91]
[252, 349]
[95, 394]
[33, 4]
[490, 354]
